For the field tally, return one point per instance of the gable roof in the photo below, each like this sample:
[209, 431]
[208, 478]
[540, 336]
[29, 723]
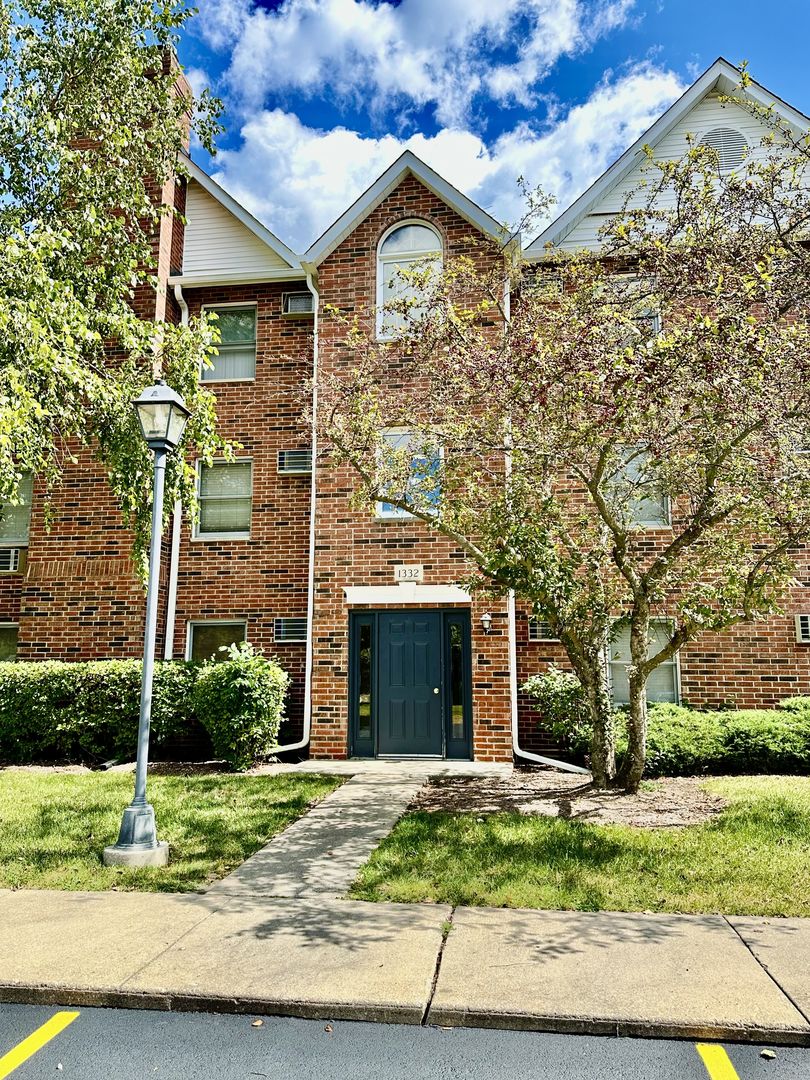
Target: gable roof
[287, 262]
[722, 77]
[406, 164]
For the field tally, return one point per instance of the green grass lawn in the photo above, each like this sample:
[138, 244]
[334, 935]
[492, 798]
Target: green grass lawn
[53, 826]
[752, 859]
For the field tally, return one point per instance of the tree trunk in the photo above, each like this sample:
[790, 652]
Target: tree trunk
[632, 768]
[603, 742]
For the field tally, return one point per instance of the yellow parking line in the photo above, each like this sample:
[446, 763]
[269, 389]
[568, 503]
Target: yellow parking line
[35, 1041]
[717, 1062]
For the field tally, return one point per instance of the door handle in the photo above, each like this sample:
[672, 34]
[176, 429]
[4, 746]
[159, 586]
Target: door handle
[435, 689]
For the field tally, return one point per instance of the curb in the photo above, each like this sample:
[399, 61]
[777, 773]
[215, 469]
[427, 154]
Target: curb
[166, 1001]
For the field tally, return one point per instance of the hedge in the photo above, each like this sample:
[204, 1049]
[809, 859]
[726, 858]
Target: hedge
[689, 742]
[61, 711]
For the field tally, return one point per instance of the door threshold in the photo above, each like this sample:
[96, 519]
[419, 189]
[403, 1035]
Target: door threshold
[409, 757]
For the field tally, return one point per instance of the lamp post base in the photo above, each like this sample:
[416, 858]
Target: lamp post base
[136, 856]
[137, 843]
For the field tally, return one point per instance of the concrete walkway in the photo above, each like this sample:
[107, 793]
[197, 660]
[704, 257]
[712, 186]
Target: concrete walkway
[274, 938]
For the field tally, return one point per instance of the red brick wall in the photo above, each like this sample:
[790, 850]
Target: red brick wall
[355, 548]
[266, 576]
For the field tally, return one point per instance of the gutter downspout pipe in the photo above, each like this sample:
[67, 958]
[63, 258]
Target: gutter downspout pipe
[177, 518]
[303, 742]
[523, 755]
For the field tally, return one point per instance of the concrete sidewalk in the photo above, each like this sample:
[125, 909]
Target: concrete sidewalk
[702, 977]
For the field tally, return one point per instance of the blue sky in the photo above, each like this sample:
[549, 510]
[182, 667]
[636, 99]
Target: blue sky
[322, 95]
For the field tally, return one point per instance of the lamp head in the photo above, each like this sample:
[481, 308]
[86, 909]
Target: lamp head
[162, 414]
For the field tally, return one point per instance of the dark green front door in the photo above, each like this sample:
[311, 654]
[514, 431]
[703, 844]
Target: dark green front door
[410, 683]
[409, 706]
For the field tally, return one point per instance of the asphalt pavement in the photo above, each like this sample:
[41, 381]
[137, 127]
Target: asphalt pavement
[95, 1044]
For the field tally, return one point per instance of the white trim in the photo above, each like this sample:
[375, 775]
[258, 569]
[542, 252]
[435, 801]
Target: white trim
[204, 280]
[405, 593]
[241, 214]
[204, 537]
[397, 514]
[402, 259]
[191, 623]
[721, 76]
[407, 163]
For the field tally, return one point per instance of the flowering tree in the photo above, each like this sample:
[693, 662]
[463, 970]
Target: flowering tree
[91, 126]
[628, 442]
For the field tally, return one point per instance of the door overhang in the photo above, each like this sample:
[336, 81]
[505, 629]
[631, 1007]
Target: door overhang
[406, 593]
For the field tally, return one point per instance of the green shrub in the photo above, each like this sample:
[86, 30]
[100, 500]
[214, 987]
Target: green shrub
[682, 741]
[87, 711]
[563, 707]
[240, 703]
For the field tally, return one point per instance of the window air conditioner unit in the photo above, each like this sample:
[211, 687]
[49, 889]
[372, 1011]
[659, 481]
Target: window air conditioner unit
[803, 629]
[12, 560]
[295, 462]
[297, 303]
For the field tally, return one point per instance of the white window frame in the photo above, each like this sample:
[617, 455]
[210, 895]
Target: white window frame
[675, 663]
[210, 622]
[412, 257]
[220, 536]
[19, 541]
[395, 513]
[221, 307]
[15, 626]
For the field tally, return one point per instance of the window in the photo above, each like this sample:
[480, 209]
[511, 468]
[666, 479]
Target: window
[237, 348]
[8, 641]
[411, 244]
[209, 640]
[634, 488]
[663, 684]
[539, 630]
[226, 502]
[423, 480]
[15, 521]
[290, 630]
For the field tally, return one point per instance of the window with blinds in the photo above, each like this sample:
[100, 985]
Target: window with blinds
[235, 359]
[15, 519]
[662, 685]
[226, 500]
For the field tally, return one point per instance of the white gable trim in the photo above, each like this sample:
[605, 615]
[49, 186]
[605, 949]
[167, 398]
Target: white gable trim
[242, 215]
[407, 163]
[721, 76]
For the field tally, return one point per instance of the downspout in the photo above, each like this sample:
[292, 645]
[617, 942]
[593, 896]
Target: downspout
[523, 755]
[177, 517]
[308, 660]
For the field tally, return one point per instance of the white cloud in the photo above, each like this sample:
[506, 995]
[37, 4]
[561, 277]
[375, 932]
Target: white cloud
[298, 179]
[439, 53]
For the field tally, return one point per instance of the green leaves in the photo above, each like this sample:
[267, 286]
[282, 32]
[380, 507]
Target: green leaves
[92, 125]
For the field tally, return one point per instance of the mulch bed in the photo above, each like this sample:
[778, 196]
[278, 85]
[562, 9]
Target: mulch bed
[670, 803]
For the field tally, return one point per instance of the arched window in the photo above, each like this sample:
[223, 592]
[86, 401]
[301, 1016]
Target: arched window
[409, 243]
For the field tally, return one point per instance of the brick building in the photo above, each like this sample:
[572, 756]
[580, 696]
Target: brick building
[388, 655]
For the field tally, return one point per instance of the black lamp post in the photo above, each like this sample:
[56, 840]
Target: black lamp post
[162, 414]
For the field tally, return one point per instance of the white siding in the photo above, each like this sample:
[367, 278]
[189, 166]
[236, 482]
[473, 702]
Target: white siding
[709, 113]
[217, 243]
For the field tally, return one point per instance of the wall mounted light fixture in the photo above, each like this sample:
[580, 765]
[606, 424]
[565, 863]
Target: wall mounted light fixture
[486, 622]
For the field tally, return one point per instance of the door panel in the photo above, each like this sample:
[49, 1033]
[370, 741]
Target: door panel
[409, 710]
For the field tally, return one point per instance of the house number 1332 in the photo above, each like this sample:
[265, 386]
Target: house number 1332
[409, 573]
